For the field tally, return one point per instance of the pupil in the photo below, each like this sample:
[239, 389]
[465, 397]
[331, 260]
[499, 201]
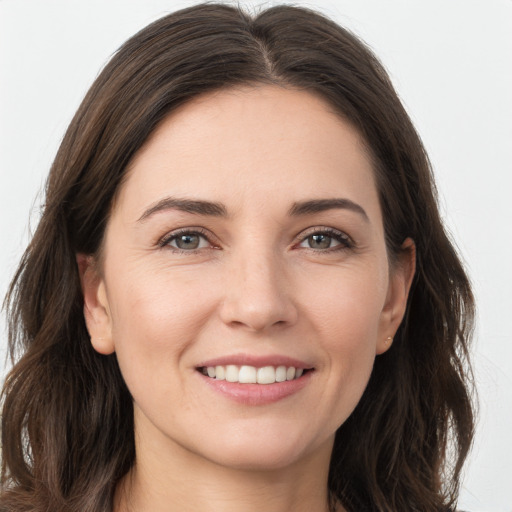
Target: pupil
[188, 242]
[320, 241]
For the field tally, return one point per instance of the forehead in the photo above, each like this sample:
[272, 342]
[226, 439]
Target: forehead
[245, 144]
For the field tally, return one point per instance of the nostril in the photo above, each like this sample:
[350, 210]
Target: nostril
[257, 304]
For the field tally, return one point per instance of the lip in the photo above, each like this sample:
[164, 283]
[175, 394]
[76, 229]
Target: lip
[256, 361]
[256, 394]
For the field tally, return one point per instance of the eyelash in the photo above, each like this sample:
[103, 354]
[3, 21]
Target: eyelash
[167, 239]
[345, 242]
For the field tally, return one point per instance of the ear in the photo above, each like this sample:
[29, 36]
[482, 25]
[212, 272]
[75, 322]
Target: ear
[96, 307]
[400, 280]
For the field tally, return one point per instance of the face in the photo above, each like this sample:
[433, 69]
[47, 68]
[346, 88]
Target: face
[245, 285]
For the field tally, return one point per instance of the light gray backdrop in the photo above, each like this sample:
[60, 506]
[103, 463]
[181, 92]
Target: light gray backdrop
[451, 63]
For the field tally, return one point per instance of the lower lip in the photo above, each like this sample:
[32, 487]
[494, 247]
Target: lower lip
[257, 394]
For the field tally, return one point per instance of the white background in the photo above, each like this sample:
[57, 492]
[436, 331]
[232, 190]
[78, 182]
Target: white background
[451, 61]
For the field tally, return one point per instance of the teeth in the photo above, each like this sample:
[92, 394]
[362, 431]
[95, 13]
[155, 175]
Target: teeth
[232, 373]
[247, 375]
[220, 373]
[280, 373]
[252, 375]
[266, 375]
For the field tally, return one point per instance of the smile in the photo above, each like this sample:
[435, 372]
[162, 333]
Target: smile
[246, 374]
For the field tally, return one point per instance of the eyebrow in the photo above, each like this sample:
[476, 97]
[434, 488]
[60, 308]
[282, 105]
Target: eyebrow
[209, 208]
[321, 205]
[186, 205]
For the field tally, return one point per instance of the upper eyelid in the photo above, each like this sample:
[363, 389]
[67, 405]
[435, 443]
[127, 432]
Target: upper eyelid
[171, 235]
[323, 229]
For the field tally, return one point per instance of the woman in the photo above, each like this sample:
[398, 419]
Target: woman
[240, 294]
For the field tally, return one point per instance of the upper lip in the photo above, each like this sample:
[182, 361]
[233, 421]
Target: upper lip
[256, 361]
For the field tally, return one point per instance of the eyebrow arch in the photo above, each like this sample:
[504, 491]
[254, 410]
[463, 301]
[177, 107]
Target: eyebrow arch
[321, 205]
[197, 207]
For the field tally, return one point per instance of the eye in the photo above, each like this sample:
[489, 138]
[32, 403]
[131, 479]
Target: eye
[325, 239]
[186, 241]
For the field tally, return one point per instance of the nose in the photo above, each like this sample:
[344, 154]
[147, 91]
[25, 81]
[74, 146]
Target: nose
[257, 294]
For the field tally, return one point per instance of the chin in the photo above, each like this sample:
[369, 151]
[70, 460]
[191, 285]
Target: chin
[258, 460]
[266, 450]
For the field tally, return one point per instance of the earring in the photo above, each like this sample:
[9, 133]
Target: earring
[389, 340]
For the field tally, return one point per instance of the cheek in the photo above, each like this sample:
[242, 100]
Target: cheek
[155, 317]
[347, 307]
[347, 318]
[350, 334]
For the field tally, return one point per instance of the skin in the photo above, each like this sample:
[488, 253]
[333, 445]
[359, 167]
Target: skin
[257, 285]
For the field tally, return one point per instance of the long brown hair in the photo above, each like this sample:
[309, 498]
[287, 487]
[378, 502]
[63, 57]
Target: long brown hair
[67, 425]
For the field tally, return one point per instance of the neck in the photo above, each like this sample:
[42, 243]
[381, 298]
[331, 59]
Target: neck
[175, 479]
